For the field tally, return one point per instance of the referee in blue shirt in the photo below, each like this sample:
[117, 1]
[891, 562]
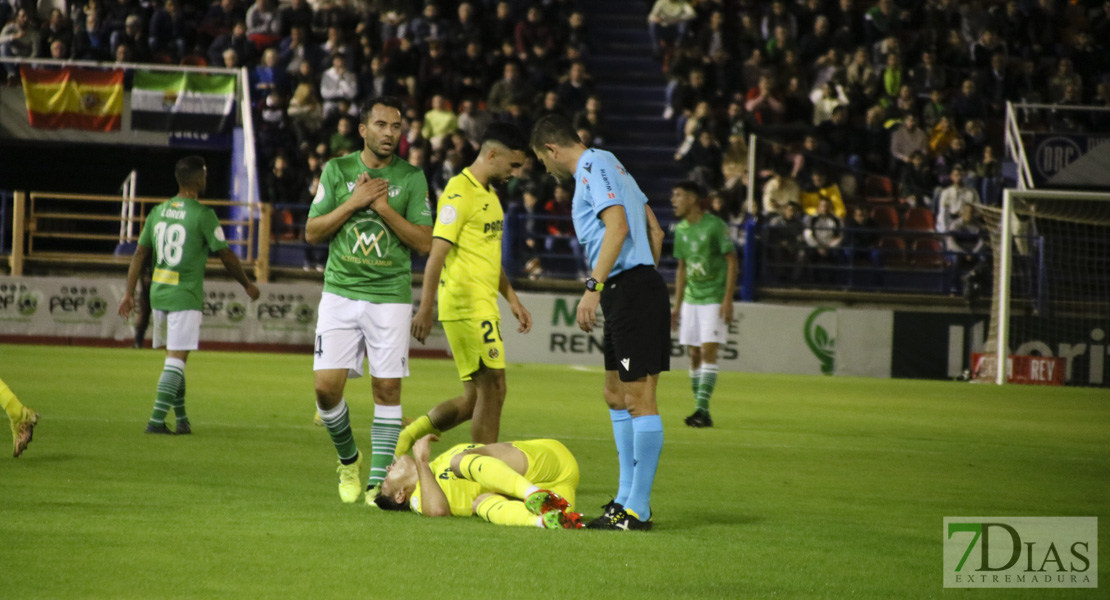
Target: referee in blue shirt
[622, 239]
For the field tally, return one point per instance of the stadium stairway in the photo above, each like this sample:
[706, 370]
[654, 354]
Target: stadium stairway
[632, 89]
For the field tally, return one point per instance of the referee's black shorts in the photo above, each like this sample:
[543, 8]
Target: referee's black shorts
[637, 310]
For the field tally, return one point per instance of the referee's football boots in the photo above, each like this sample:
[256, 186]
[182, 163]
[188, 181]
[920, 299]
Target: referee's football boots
[622, 520]
[607, 513]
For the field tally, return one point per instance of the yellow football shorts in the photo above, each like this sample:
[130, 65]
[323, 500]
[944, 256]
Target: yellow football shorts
[551, 466]
[475, 343]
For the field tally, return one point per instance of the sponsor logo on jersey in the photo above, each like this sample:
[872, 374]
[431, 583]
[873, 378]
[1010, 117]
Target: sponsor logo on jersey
[625, 362]
[350, 186]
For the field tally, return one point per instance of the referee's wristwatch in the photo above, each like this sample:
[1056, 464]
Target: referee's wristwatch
[594, 285]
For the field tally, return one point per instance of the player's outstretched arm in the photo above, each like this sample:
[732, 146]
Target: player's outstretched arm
[433, 502]
[522, 315]
[655, 234]
[733, 266]
[127, 303]
[433, 270]
[235, 269]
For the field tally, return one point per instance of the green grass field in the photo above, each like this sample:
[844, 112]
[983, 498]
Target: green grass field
[807, 488]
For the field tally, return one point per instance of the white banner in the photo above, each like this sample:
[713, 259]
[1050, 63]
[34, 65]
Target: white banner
[763, 339]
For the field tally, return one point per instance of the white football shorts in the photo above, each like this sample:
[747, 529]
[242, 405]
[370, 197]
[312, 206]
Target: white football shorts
[701, 324]
[177, 330]
[349, 331]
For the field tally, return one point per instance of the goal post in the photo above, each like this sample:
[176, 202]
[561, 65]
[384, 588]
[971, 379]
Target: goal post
[1052, 280]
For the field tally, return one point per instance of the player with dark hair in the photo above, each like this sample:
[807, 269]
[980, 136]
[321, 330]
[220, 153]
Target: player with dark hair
[181, 233]
[704, 287]
[465, 267]
[374, 208]
[623, 240]
[530, 484]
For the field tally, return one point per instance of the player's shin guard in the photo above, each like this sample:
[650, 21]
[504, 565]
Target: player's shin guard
[622, 435]
[10, 403]
[383, 440]
[415, 430]
[173, 377]
[706, 384]
[338, 423]
[502, 511]
[495, 475]
[649, 445]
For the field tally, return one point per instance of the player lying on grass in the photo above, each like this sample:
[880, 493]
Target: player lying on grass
[529, 483]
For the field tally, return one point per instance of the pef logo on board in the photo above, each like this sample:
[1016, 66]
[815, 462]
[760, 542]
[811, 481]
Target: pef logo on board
[82, 302]
[18, 299]
[1021, 552]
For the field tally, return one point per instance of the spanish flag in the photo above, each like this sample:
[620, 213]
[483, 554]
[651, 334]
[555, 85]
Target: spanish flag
[73, 98]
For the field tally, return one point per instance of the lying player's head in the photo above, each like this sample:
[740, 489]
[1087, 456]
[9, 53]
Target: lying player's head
[191, 174]
[400, 481]
[502, 148]
[686, 197]
[379, 124]
[552, 137]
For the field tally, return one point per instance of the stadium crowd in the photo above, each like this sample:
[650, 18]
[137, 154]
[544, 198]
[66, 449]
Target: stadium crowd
[895, 105]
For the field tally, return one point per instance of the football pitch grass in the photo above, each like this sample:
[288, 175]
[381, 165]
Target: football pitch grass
[808, 487]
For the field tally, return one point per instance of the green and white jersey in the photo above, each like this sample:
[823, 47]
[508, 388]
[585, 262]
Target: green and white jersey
[182, 233]
[366, 259]
[703, 246]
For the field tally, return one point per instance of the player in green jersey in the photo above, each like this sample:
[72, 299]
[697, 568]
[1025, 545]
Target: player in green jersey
[704, 287]
[373, 207]
[181, 233]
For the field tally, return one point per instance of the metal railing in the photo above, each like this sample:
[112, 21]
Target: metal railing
[88, 229]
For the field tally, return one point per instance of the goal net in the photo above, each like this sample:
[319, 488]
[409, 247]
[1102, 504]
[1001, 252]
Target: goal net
[1050, 308]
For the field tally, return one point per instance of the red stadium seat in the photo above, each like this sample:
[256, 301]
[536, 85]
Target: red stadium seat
[893, 251]
[885, 216]
[927, 253]
[878, 189]
[919, 219]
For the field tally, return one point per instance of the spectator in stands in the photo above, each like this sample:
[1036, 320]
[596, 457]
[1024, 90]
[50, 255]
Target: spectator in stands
[20, 38]
[881, 21]
[403, 62]
[337, 83]
[987, 167]
[967, 238]
[933, 110]
[797, 107]
[297, 49]
[306, 112]
[984, 48]
[905, 103]
[509, 89]
[236, 40]
[534, 230]
[701, 157]
[560, 229]
[465, 29]
[847, 24]
[336, 43]
[668, 22]
[296, 14]
[861, 78]
[832, 96]
[909, 138]
[429, 26]
[928, 76]
[1088, 60]
[818, 42]
[90, 42]
[230, 59]
[940, 139]
[57, 28]
[439, 122]
[575, 89]
[969, 103]
[501, 26]
[1064, 76]
[999, 84]
[282, 187]
[819, 189]
[892, 78]
[779, 44]
[956, 155]
[116, 13]
[823, 235]
[1068, 120]
[779, 16]
[842, 140]
[264, 23]
[343, 140]
[267, 77]
[734, 193]
[132, 36]
[58, 50]
[780, 191]
[1100, 119]
[686, 96]
[221, 17]
[435, 74]
[952, 200]
[590, 118]
[549, 105]
[170, 32]
[861, 238]
[918, 182]
[763, 103]
[786, 243]
[473, 120]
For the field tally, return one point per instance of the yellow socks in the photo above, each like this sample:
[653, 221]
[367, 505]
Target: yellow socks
[502, 511]
[10, 403]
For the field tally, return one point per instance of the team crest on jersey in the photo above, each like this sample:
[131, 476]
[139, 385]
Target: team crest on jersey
[493, 353]
[394, 191]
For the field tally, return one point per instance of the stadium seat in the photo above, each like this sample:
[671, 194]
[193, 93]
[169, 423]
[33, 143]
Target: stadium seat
[885, 216]
[878, 189]
[893, 251]
[193, 60]
[919, 219]
[927, 253]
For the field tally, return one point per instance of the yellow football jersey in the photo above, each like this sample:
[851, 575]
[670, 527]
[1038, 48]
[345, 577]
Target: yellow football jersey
[460, 493]
[470, 217]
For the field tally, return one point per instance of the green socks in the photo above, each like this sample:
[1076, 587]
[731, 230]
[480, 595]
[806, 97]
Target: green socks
[338, 424]
[706, 383]
[172, 380]
[383, 440]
